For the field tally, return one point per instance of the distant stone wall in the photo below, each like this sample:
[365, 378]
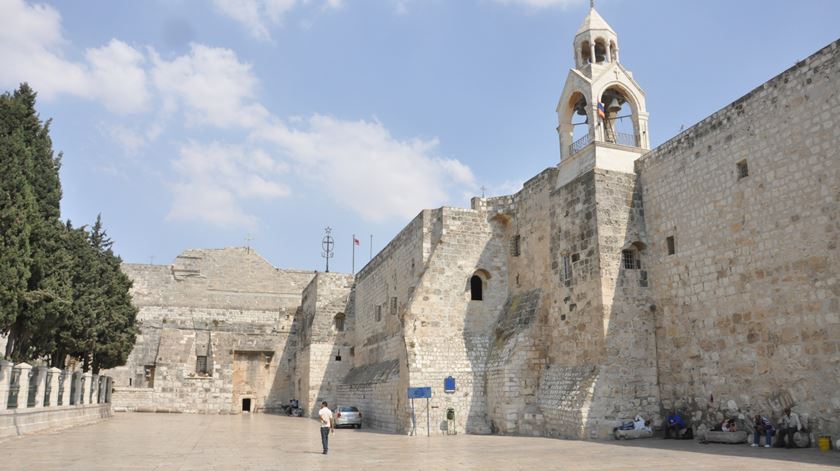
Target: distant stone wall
[747, 311]
[228, 305]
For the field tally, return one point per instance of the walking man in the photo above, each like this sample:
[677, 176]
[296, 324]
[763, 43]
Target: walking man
[327, 425]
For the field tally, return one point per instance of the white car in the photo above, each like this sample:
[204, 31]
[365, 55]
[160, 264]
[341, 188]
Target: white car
[348, 416]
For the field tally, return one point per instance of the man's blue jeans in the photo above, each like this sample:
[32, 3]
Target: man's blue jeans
[768, 437]
[325, 437]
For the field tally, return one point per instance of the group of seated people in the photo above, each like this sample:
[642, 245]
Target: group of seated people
[789, 424]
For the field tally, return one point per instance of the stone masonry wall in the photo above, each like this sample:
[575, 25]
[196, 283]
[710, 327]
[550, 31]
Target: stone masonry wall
[747, 311]
[447, 333]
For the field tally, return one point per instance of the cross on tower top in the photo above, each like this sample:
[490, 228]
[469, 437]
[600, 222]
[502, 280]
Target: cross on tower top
[591, 3]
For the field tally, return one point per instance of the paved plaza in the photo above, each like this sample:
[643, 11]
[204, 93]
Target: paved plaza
[267, 442]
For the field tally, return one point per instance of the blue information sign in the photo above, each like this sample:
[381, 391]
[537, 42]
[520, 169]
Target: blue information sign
[420, 393]
[449, 384]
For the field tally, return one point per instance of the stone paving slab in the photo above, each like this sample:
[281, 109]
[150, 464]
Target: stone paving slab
[266, 442]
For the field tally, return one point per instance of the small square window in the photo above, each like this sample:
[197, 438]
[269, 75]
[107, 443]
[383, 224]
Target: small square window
[743, 169]
[672, 249]
[575, 257]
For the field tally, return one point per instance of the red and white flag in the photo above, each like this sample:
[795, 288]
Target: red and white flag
[356, 241]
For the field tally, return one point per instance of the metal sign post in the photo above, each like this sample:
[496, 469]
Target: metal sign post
[420, 393]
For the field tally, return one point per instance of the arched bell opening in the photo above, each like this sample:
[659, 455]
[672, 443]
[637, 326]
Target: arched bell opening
[600, 50]
[575, 123]
[613, 51]
[620, 117]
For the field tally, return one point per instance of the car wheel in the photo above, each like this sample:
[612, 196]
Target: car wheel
[358, 425]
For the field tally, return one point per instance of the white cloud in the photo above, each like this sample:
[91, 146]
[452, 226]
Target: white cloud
[258, 16]
[117, 77]
[539, 4]
[31, 45]
[211, 85]
[215, 178]
[367, 170]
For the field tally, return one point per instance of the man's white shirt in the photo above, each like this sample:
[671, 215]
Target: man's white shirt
[326, 416]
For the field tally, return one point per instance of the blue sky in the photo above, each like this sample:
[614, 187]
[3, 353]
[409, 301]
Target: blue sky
[192, 124]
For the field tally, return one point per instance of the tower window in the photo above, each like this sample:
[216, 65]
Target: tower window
[476, 288]
[630, 260]
[378, 313]
[394, 305]
[743, 169]
[515, 247]
[672, 249]
[339, 322]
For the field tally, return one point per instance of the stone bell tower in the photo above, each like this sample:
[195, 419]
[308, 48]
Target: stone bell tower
[602, 117]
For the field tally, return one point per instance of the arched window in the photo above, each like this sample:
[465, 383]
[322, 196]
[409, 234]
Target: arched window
[339, 322]
[476, 288]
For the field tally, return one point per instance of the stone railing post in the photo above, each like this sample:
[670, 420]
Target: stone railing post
[86, 380]
[5, 381]
[76, 387]
[67, 382]
[103, 381]
[23, 391]
[54, 377]
[41, 386]
[94, 388]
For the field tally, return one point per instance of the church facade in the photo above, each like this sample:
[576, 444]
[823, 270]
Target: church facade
[702, 276]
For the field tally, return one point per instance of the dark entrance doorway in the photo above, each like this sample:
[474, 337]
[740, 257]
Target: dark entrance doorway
[246, 404]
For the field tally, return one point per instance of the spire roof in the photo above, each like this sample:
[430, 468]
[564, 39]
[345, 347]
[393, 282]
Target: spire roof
[593, 21]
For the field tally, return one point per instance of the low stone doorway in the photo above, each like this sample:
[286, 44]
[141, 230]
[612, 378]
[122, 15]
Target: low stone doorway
[246, 404]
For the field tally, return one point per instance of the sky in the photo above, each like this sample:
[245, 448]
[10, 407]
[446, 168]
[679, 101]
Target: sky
[219, 123]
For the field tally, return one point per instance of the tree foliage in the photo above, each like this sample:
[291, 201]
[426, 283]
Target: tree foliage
[61, 289]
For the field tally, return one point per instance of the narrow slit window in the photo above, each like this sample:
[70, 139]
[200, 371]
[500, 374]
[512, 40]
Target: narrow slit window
[515, 245]
[393, 305]
[378, 313]
[567, 271]
[672, 248]
[339, 322]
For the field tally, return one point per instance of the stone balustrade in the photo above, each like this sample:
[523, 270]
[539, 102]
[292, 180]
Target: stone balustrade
[40, 398]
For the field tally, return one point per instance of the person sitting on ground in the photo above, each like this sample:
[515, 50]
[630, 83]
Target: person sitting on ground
[788, 425]
[729, 425]
[762, 426]
[638, 423]
[676, 425]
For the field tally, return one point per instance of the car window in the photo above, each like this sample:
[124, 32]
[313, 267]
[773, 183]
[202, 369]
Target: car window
[348, 409]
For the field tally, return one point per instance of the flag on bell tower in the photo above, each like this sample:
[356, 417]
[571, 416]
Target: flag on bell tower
[602, 112]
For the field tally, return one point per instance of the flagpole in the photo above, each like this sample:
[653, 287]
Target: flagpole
[353, 259]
